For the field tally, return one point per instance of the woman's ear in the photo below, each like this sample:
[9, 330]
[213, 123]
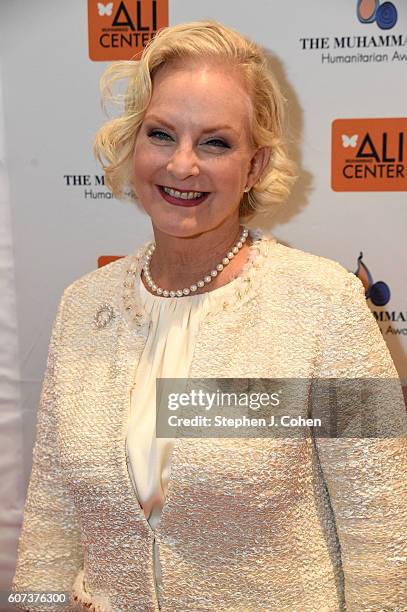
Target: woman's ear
[258, 164]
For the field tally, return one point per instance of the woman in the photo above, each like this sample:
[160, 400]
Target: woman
[126, 521]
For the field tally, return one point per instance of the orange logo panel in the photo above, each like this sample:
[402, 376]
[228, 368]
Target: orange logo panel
[119, 30]
[103, 260]
[369, 154]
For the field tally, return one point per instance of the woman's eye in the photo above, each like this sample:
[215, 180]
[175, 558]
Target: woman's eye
[160, 135]
[221, 143]
[156, 133]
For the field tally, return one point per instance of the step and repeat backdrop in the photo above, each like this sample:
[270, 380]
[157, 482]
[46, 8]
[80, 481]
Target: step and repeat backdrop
[342, 66]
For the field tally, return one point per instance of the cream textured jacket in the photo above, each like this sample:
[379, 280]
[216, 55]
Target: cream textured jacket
[249, 524]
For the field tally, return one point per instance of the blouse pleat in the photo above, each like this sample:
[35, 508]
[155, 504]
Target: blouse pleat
[168, 352]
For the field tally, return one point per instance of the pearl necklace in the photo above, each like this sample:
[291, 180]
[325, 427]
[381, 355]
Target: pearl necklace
[199, 284]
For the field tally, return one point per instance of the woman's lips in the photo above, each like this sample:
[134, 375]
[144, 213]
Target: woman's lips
[179, 201]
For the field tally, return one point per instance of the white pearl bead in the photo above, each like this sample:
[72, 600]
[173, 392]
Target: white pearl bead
[194, 287]
[231, 255]
[214, 273]
[186, 291]
[172, 294]
[166, 293]
[225, 261]
[154, 287]
[207, 279]
[159, 291]
[219, 267]
[179, 292]
[239, 244]
[200, 283]
[235, 250]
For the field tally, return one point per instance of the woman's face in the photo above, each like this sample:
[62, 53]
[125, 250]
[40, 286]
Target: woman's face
[195, 136]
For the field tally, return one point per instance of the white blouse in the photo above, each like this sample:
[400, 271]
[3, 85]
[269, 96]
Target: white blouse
[167, 354]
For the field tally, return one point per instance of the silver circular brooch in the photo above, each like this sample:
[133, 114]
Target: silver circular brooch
[103, 316]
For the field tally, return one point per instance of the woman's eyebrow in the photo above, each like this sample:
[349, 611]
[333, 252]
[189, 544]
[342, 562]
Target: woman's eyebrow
[171, 127]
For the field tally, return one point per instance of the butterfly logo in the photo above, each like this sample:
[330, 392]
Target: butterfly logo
[349, 141]
[105, 9]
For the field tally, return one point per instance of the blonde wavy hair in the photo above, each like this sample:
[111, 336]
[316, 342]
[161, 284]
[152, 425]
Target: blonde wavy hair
[115, 141]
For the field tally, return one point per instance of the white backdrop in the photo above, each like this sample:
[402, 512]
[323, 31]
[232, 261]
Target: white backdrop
[53, 228]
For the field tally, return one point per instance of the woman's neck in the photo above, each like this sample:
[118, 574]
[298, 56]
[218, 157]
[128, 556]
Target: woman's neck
[180, 262]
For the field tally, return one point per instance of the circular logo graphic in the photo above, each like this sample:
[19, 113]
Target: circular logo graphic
[367, 10]
[379, 293]
[386, 16]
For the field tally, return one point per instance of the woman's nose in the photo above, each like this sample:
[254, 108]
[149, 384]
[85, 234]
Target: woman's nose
[183, 162]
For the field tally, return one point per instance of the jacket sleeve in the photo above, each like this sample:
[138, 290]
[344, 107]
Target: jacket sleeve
[366, 477]
[49, 550]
